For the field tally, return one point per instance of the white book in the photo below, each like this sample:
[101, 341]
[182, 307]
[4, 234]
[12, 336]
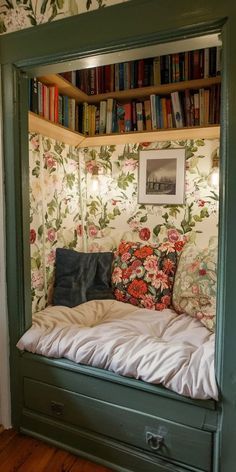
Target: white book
[177, 111]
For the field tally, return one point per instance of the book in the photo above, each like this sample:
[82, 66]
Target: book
[109, 115]
[139, 111]
[40, 98]
[128, 116]
[120, 117]
[45, 102]
[156, 70]
[51, 102]
[147, 113]
[71, 113]
[177, 110]
[102, 117]
[206, 63]
[196, 109]
[127, 76]
[34, 95]
[153, 111]
[65, 111]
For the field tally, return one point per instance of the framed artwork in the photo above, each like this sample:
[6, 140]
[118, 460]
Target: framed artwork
[161, 176]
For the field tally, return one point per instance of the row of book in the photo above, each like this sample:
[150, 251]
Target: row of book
[179, 109]
[177, 67]
[46, 101]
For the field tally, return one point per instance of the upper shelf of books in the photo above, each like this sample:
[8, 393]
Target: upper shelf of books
[176, 96]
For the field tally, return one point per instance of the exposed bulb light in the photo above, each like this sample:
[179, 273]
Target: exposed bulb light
[214, 174]
[214, 177]
[94, 180]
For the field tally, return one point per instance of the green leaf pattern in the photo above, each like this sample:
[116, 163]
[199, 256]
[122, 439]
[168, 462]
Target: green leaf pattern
[67, 211]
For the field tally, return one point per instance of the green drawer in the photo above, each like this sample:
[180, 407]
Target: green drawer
[165, 438]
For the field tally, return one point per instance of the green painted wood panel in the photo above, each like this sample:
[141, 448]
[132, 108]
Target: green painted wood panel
[95, 447]
[155, 21]
[129, 394]
[180, 443]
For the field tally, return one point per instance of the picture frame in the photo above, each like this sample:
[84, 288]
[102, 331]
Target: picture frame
[162, 176]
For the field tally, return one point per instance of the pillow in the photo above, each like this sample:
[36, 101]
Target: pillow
[194, 291]
[80, 277]
[143, 274]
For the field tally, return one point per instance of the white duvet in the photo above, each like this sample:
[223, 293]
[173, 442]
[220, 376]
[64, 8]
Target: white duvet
[159, 347]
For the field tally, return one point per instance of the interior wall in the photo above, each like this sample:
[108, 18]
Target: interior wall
[67, 211]
[19, 14]
[55, 210]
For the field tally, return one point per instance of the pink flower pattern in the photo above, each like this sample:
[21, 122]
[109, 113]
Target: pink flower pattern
[144, 279]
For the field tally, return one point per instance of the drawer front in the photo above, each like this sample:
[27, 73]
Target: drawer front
[165, 438]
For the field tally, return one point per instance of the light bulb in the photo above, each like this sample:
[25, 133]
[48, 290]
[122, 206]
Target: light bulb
[94, 183]
[214, 177]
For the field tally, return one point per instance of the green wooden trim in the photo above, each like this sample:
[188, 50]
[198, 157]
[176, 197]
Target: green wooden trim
[111, 377]
[113, 29]
[14, 230]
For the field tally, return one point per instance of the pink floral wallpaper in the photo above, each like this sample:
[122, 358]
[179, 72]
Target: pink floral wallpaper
[68, 210]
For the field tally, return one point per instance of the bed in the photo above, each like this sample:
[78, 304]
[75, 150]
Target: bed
[129, 386]
[162, 347]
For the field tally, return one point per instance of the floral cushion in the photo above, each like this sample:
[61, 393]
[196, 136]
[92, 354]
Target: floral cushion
[194, 291]
[143, 274]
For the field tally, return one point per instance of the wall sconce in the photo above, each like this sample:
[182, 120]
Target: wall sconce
[94, 179]
[214, 174]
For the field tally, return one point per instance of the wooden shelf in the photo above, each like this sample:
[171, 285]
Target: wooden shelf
[165, 89]
[197, 132]
[64, 87]
[40, 125]
[67, 88]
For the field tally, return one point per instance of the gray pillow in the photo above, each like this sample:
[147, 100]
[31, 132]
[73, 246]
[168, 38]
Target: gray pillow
[81, 277]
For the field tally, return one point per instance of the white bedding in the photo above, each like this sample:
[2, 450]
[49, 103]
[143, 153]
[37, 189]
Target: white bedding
[155, 346]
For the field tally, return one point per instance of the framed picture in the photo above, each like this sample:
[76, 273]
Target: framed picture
[161, 176]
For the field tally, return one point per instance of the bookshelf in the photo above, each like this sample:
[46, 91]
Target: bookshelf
[40, 125]
[143, 94]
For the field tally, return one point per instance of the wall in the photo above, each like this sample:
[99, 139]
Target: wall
[67, 212]
[19, 14]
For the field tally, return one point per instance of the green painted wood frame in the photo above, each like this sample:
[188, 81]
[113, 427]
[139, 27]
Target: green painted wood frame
[124, 26]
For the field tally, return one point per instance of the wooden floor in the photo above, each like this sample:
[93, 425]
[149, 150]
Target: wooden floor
[19, 453]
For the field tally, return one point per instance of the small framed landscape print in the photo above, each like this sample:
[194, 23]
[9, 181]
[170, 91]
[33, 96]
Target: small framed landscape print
[161, 176]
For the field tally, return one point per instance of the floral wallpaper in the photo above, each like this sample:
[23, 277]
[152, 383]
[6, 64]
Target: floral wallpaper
[19, 14]
[72, 207]
[55, 215]
[113, 212]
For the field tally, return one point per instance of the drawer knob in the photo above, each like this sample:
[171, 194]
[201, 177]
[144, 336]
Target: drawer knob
[154, 441]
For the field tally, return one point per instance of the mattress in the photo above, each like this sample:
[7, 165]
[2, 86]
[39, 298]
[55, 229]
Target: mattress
[159, 347]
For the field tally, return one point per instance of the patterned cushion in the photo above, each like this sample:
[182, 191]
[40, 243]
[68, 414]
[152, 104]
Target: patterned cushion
[194, 291]
[143, 274]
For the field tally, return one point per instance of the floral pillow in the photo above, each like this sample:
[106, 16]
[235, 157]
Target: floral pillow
[194, 291]
[143, 274]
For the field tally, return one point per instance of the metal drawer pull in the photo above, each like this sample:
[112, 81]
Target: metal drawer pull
[155, 441]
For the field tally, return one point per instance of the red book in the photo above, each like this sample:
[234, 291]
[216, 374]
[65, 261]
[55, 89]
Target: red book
[107, 78]
[128, 116]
